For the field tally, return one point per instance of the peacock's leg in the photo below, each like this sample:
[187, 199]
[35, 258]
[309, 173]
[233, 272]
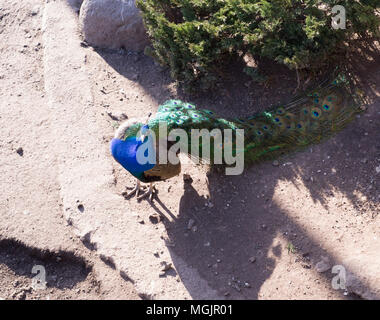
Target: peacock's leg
[149, 193]
[136, 190]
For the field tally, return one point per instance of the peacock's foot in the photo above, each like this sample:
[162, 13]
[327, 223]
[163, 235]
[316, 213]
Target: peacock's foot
[137, 189]
[148, 194]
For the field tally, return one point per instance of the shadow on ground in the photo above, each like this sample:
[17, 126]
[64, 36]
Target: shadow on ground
[63, 269]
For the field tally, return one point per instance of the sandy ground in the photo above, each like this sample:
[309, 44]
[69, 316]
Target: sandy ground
[256, 236]
[32, 228]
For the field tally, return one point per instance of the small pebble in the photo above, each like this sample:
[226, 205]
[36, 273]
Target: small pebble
[190, 224]
[155, 218]
[166, 266]
[323, 266]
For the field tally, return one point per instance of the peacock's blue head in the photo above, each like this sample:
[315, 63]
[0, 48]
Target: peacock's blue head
[136, 153]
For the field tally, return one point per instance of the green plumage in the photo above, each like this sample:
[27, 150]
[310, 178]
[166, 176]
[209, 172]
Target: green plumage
[306, 120]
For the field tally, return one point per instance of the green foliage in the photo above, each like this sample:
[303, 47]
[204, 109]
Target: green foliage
[194, 37]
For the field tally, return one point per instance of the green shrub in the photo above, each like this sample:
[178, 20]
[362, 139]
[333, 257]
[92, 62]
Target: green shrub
[194, 37]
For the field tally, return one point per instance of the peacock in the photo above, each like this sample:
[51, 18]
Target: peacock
[308, 119]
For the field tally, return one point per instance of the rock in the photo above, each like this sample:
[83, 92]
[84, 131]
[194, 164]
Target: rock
[155, 218]
[75, 4]
[252, 259]
[35, 11]
[166, 266]
[113, 24]
[81, 208]
[190, 224]
[140, 220]
[323, 265]
[20, 151]
[117, 116]
[20, 296]
[275, 163]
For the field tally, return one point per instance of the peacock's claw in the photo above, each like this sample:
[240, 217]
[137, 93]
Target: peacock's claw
[148, 194]
[136, 190]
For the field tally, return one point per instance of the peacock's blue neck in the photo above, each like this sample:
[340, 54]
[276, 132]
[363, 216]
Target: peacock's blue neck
[125, 152]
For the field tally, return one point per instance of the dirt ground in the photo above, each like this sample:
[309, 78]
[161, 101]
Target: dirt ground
[29, 190]
[255, 236]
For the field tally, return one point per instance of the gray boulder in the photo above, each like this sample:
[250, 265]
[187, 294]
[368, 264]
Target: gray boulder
[75, 4]
[113, 24]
